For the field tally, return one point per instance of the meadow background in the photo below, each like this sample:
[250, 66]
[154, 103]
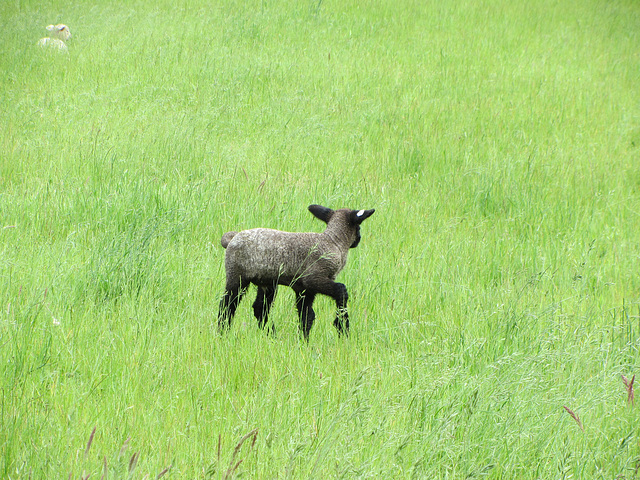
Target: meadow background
[497, 283]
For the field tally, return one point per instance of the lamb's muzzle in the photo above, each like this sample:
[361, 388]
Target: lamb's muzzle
[307, 262]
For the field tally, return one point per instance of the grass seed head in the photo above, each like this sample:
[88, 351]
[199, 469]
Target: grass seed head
[629, 386]
[574, 416]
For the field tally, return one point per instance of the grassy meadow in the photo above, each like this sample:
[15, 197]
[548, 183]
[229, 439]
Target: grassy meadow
[494, 298]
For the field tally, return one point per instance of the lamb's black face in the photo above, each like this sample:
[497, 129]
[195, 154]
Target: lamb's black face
[357, 240]
[356, 217]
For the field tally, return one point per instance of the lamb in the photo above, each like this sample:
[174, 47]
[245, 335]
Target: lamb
[58, 34]
[307, 262]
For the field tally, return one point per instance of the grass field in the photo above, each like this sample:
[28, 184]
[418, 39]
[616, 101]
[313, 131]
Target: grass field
[495, 294]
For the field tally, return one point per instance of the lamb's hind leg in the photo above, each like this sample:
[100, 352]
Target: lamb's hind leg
[304, 304]
[262, 305]
[229, 303]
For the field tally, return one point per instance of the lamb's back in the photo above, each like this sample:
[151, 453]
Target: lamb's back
[266, 255]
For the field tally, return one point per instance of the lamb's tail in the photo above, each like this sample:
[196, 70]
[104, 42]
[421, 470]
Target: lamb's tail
[226, 238]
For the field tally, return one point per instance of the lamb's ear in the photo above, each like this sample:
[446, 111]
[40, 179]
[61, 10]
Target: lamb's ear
[320, 212]
[359, 216]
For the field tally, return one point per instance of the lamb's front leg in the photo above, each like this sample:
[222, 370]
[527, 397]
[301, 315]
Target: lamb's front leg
[342, 316]
[338, 292]
[229, 304]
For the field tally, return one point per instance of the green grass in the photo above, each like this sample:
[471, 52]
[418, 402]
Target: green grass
[497, 282]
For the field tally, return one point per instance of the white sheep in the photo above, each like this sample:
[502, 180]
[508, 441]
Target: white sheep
[58, 35]
[307, 262]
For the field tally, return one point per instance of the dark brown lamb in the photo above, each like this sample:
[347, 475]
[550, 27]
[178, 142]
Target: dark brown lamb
[307, 262]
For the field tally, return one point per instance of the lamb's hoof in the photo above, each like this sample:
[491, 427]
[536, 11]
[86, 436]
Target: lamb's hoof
[342, 326]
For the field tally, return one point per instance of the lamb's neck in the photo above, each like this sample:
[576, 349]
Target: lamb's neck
[339, 237]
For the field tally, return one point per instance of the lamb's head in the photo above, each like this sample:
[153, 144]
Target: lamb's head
[60, 31]
[343, 223]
